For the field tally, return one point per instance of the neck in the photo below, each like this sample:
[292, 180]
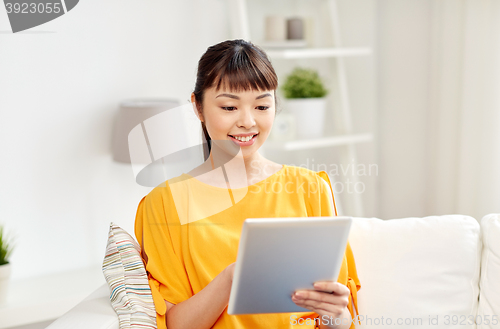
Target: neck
[240, 171]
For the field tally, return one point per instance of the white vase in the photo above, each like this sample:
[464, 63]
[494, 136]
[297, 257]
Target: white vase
[4, 280]
[309, 114]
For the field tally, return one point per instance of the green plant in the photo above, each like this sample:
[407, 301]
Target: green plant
[304, 83]
[5, 248]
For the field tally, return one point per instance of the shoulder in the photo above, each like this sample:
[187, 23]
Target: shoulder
[158, 205]
[302, 173]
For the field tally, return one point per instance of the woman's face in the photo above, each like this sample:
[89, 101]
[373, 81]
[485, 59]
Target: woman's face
[245, 118]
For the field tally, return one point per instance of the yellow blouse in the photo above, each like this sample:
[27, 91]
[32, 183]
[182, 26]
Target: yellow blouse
[190, 232]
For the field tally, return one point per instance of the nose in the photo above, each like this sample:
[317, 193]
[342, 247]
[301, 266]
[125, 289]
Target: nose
[246, 119]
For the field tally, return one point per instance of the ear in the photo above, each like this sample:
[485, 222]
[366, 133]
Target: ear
[197, 112]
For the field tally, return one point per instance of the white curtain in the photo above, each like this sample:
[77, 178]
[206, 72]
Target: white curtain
[464, 114]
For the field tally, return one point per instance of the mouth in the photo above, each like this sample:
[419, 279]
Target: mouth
[244, 140]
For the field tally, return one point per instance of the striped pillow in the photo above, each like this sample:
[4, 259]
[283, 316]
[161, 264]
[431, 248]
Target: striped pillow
[128, 282]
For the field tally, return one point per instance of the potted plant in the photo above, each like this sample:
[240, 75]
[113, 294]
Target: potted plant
[305, 94]
[5, 251]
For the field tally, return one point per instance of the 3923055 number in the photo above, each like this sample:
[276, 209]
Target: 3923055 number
[25, 8]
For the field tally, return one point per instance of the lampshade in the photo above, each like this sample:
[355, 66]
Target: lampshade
[132, 113]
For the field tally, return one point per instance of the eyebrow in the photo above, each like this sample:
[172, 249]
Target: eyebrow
[236, 97]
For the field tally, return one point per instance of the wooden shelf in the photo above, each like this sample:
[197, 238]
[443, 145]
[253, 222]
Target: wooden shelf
[319, 142]
[317, 52]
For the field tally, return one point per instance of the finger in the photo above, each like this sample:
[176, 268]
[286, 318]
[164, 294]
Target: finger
[332, 287]
[315, 298]
[319, 296]
[320, 307]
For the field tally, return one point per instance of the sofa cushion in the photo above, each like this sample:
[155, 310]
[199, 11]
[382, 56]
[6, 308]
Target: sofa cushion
[124, 271]
[489, 299]
[417, 272]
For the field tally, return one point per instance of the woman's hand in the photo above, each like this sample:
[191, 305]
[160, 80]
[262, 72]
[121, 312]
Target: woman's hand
[329, 298]
[230, 271]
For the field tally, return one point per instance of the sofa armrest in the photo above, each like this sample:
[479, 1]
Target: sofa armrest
[94, 312]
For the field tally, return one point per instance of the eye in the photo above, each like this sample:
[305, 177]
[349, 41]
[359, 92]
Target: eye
[228, 108]
[262, 108]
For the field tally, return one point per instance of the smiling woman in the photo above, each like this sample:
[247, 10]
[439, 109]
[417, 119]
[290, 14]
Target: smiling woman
[189, 228]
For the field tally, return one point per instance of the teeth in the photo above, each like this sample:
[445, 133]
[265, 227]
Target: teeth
[243, 139]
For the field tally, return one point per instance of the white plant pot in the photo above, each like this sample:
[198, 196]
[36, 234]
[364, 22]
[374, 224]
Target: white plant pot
[4, 280]
[309, 114]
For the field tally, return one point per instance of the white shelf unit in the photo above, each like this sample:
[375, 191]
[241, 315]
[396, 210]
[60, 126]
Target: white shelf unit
[345, 140]
[317, 52]
[328, 141]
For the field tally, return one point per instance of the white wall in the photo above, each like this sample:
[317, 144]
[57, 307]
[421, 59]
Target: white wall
[438, 78]
[60, 85]
[403, 84]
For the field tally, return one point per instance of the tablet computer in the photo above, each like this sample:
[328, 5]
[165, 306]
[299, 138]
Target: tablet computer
[277, 256]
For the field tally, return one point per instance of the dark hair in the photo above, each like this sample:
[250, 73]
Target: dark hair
[236, 65]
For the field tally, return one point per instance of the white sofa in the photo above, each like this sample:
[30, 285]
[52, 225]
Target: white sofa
[432, 272]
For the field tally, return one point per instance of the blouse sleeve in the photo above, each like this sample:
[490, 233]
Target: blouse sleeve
[348, 275]
[160, 243]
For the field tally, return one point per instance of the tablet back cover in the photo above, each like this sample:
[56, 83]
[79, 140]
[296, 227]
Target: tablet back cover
[277, 256]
